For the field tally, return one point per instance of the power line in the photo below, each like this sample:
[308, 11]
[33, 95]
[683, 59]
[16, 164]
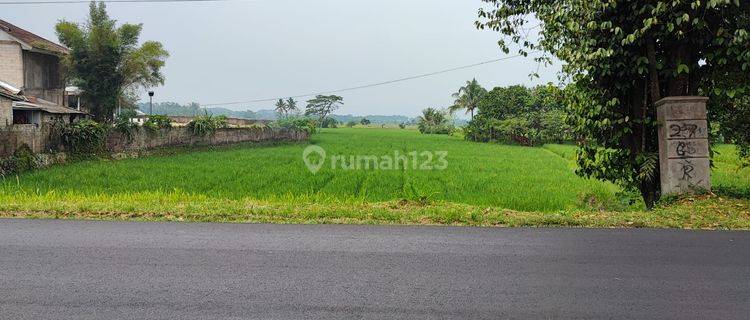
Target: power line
[107, 1]
[368, 85]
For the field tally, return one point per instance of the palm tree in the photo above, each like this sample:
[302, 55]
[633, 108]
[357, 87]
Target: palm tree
[281, 107]
[291, 105]
[468, 97]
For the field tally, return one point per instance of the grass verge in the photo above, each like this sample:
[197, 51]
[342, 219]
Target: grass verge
[704, 212]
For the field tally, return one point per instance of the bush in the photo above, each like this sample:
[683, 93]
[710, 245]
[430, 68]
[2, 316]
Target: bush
[84, 138]
[125, 126]
[329, 123]
[157, 122]
[351, 124]
[23, 159]
[534, 128]
[206, 125]
[297, 123]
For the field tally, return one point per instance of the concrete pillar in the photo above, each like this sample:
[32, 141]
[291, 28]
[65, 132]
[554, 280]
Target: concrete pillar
[683, 145]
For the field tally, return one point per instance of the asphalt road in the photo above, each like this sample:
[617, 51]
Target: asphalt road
[108, 270]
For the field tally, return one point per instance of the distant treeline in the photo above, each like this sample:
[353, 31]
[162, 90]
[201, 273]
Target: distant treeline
[192, 109]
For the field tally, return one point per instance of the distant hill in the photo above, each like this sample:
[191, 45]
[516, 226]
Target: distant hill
[374, 119]
[193, 109]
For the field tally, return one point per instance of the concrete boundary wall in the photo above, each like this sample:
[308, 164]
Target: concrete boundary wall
[41, 140]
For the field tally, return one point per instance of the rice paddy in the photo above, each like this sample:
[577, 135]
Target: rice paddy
[269, 183]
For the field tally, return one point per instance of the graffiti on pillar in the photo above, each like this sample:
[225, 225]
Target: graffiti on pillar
[687, 168]
[685, 148]
[684, 130]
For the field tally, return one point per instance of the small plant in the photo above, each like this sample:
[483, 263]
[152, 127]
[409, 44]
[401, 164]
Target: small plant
[84, 138]
[206, 125]
[157, 122]
[23, 159]
[402, 125]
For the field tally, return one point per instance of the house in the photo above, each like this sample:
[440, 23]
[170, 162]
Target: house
[32, 87]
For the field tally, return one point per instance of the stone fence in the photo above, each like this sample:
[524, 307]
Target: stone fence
[181, 136]
[43, 140]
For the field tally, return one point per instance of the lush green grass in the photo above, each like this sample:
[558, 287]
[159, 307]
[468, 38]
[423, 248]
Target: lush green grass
[509, 177]
[484, 184]
[728, 177]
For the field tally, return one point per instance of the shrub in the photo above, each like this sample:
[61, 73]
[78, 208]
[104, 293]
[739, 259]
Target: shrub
[206, 124]
[351, 124]
[329, 123]
[298, 123]
[125, 126]
[530, 129]
[157, 122]
[84, 138]
[23, 159]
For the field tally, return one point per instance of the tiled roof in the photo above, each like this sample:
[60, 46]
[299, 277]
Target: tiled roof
[31, 39]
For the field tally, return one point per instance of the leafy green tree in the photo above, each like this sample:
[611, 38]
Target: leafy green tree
[434, 121]
[364, 121]
[106, 62]
[506, 102]
[468, 97]
[516, 114]
[620, 58]
[322, 106]
[329, 123]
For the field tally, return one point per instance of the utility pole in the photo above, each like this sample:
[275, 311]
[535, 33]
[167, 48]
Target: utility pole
[150, 103]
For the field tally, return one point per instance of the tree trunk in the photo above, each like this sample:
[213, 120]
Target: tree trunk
[649, 95]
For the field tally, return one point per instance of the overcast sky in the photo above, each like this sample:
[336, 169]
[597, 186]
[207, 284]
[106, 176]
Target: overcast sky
[246, 50]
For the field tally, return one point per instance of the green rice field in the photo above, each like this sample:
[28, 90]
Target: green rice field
[270, 180]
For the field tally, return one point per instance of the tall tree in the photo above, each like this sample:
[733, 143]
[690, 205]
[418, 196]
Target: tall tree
[281, 108]
[291, 105]
[620, 57]
[468, 97]
[106, 62]
[322, 106]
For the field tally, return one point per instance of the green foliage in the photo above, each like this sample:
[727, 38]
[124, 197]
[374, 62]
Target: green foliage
[620, 58]
[157, 122]
[468, 97]
[206, 124]
[125, 126]
[520, 115]
[85, 138]
[329, 123]
[23, 160]
[402, 125]
[434, 121]
[351, 124]
[365, 121]
[297, 123]
[106, 62]
[322, 106]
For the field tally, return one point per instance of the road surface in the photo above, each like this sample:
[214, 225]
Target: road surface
[108, 270]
